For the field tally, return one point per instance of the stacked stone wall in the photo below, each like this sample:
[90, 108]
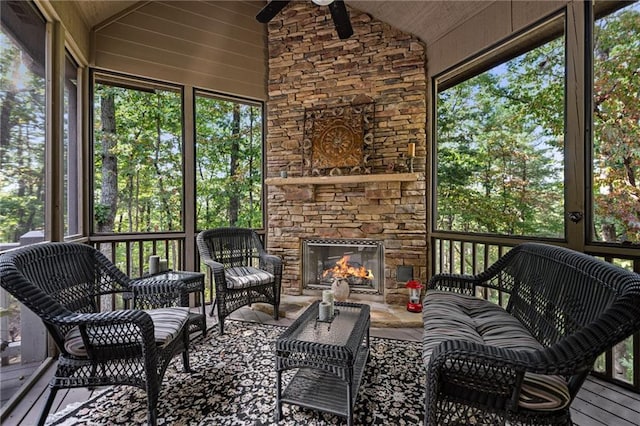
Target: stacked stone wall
[310, 67]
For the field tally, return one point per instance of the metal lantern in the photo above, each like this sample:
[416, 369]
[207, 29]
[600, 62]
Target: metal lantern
[415, 292]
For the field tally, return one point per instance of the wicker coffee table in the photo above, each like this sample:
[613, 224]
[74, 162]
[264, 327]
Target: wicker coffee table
[329, 357]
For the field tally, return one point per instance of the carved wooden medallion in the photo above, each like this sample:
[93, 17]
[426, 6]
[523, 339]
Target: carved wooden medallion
[338, 140]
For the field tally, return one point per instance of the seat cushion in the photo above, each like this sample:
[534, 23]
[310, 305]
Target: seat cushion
[543, 392]
[247, 276]
[451, 316]
[167, 325]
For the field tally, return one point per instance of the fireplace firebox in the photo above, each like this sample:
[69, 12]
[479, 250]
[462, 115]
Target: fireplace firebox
[360, 262]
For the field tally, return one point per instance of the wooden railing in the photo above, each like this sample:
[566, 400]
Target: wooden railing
[16, 323]
[458, 254]
[472, 254]
[130, 252]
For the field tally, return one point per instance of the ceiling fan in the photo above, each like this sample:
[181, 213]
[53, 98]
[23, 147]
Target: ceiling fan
[338, 10]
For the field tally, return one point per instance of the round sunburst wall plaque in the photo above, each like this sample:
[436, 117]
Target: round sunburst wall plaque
[338, 140]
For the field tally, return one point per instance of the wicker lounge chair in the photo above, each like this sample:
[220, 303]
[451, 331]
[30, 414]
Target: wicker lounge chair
[523, 364]
[74, 289]
[241, 269]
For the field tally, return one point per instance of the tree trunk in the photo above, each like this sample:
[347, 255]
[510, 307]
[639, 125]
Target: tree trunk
[628, 168]
[164, 196]
[609, 232]
[109, 189]
[234, 199]
[5, 121]
[250, 224]
[129, 192]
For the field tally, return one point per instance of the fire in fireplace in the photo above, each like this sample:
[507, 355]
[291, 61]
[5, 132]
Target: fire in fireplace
[352, 272]
[360, 262]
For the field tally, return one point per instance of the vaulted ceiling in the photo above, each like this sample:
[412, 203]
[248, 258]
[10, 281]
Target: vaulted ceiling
[427, 19]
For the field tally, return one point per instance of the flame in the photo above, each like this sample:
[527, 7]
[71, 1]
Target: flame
[344, 270]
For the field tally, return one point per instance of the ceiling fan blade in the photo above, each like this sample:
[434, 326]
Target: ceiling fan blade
[270, 10]
[341, 20]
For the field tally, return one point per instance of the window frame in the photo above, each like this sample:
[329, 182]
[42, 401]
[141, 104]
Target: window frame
[134, 83]
[73, 194]
[37, 46]
[263, 160]
[538, 33]
[593, 11]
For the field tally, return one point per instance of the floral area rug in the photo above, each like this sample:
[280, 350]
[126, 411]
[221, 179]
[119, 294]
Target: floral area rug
[233, 383]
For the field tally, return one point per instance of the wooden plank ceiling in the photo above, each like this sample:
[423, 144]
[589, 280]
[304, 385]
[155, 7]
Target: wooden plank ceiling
[427, 19]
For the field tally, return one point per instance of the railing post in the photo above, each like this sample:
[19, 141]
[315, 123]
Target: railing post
[4, 326]
[33, 345]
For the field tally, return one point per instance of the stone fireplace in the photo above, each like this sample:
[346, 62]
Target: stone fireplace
[360, 262]
[311, 69]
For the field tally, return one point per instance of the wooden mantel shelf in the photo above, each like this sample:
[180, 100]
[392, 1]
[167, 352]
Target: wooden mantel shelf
[333, 180]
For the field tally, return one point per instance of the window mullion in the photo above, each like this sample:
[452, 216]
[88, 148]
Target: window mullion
[54, 205]
[189, 183]
[575, 152]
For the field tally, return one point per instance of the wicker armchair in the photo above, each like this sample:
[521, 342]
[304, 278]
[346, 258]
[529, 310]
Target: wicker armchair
[241, 269]
[523, 364]
[74, 289]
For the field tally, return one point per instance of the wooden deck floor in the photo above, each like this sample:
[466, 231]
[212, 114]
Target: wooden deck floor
[598, 403]
[13, 377]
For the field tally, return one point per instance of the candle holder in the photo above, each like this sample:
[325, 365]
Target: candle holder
[154, 264]
[326, 313]
[411, 153]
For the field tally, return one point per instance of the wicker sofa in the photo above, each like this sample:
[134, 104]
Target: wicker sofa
[523, 364]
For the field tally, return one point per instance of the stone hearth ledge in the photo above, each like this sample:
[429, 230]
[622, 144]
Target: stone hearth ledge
[382, 315]
[333, 180]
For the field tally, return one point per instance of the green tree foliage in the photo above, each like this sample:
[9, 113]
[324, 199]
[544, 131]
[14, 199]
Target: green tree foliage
[138, 161]
[228, 163]
[22, 142]
[616, 142]
[500, 141]
[616, 119]
[499, 167]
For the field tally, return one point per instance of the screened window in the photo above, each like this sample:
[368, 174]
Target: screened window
[500, 140]
[23, 124]
[22, 177]
[228, 162]
[138, 156]
[616, 151]
[616, 126]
